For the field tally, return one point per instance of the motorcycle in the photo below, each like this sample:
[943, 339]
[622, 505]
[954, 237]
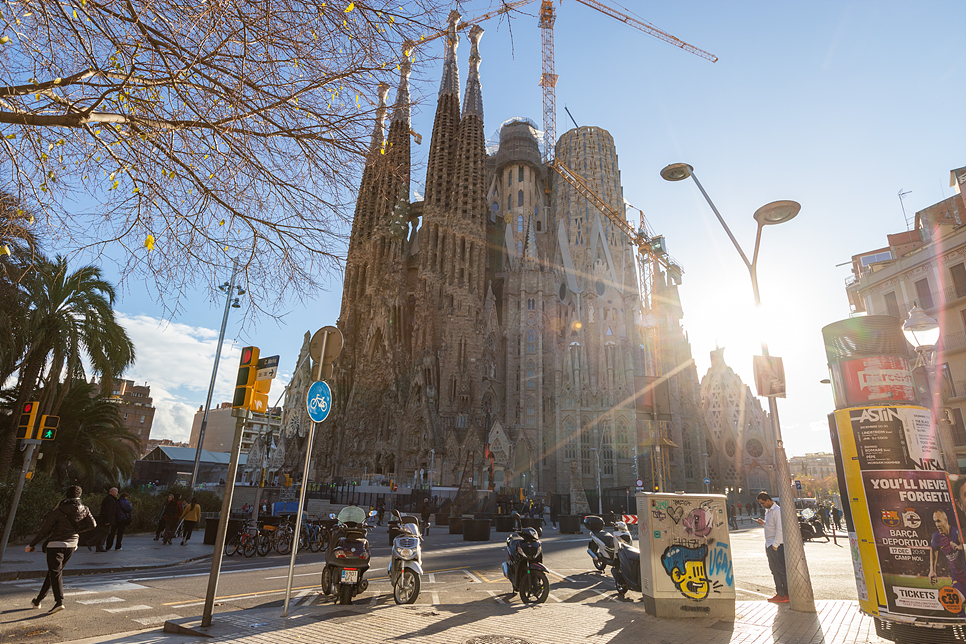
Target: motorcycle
[602, 547]
[347, 556]
[627, 569]
[524, 565]
[405, 564]
[811, 526]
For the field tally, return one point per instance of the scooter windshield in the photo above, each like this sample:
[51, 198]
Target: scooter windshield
[352, 514]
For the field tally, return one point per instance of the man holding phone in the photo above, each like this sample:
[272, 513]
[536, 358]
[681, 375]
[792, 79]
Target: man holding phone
[774, 546]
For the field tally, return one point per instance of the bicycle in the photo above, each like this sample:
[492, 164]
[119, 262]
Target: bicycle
[244, 542]
[284, 537]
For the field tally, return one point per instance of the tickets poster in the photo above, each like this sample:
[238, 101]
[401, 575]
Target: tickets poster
[918, 542]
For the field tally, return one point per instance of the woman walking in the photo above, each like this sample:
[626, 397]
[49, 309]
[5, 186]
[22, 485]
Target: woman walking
[171, 515]
[191, 515]
[60, 534]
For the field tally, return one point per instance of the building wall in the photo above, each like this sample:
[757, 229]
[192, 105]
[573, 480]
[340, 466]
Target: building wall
[220, 429]
[136, 409]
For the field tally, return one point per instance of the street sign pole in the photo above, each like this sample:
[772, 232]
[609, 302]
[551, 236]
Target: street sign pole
[298, 520]
[27, 459]
[241, 417]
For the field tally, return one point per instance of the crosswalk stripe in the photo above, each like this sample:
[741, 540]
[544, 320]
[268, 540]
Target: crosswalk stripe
[125, 609]
[436, 598]
[476, 580]
[158, 619]
[100, 600]
[493, 595]
[555, 598]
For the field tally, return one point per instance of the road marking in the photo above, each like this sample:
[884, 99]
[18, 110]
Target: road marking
[493, 595]
[100, 600]
[481, 576]
[124, 609]
[242, 596]
[161, 619]
[559, 576]
[604, 594]
[435, 599]
[301, 574]
[555, 598]
[752, 592]
[374, 600]
[432, 578]
[474, 578]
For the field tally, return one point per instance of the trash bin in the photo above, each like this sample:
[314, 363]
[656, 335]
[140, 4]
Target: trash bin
[456, 525]
[441, 518]
[211, 530]
[504, 523]
[476, 529]
[535, 523]
[569, 524]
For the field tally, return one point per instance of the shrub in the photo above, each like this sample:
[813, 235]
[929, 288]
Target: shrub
[40, 495]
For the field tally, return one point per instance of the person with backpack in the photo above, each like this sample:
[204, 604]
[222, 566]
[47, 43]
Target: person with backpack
[125, 512]
[191, 515]
[60, 534]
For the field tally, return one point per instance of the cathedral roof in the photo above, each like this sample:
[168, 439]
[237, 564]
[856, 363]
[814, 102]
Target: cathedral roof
[401, 108]
[450, 83]
[473, 101]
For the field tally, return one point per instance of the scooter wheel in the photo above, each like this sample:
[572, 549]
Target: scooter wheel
[406, 589]
[535, 588]
[345, 595]
[618, 581]
[599, 565]
[327, 580]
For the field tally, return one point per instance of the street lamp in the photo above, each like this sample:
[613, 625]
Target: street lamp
[230, 303]
[777, 212]
[922, 332]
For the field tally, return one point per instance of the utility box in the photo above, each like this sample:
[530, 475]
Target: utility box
[686, 562]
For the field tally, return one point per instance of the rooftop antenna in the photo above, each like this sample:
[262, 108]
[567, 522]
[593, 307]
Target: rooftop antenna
[902, 194]
[571, 117]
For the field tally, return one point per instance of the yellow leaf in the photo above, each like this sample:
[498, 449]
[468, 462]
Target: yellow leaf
[75, 14]
[114, 186]
[11, 136]
[149, 242]
[4, 41]
[6, 250]
[352, 5]
[135, 191]
[221, 223]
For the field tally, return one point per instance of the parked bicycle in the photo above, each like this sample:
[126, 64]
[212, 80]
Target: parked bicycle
[245, 542]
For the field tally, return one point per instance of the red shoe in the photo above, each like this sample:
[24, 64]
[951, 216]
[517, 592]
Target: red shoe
[777, 599]
[782, 600]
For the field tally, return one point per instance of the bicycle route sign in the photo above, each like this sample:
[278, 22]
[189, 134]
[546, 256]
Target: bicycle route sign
[318, 401]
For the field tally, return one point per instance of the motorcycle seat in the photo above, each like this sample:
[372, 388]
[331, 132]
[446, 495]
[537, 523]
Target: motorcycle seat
[606, 538]
[631, 553]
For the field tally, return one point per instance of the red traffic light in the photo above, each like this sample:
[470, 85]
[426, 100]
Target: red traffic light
[246, 356]
[27, 407]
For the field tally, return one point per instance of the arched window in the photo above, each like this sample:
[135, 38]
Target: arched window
[531, 413]
[521, 174]
[520, 198]
[519, 249]
[520, 224]
[570, 443]
[538, 226]
[584, 453]
[531, 375]
[531, 341]
[607, 451]
[623, 450]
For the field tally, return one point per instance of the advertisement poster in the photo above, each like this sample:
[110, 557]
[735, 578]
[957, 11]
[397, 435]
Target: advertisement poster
[895, 438]
[918, 542]
[878, 379]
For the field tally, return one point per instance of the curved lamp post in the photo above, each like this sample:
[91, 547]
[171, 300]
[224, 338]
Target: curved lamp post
[801, 597]
[922, 332]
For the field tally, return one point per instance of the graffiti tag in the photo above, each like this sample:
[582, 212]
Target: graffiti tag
[719, 562]
[686, 568]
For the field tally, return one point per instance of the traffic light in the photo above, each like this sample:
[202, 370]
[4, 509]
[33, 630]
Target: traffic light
[28, 414]
[48, 427]
[260, 396]
[244, 384]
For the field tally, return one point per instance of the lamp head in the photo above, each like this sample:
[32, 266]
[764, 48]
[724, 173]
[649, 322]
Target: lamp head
[921, 331]
[777, 212]
[676, 172]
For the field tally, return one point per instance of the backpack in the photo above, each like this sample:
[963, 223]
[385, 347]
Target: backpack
[87, 523]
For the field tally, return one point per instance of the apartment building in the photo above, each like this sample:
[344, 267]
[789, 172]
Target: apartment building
[135, 407]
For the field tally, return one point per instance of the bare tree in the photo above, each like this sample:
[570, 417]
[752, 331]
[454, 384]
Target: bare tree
[190, 135]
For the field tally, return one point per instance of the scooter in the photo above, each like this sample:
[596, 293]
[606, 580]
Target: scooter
[601, 547]
[524, 565]
[810, 525]
[627, 569]
[347, 557]
[405, 564]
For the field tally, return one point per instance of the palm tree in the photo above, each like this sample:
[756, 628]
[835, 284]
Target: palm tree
[18, 248]
[92, 444]
[70, 319]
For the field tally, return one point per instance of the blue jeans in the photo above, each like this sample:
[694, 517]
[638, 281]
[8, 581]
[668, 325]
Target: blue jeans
[776, 562]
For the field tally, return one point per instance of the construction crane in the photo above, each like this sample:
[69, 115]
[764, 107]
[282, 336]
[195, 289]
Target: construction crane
[651, 258]
[548, 79]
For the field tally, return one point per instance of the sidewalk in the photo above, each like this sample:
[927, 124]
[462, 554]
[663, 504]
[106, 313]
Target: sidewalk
[139, 551]
[485, 622]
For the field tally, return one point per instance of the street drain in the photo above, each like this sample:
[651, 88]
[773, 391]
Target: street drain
[495, 639]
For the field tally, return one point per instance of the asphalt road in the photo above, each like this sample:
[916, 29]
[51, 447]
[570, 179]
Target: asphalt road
[457, 572]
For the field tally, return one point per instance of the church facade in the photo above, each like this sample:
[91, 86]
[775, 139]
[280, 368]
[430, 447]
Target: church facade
[494, 330]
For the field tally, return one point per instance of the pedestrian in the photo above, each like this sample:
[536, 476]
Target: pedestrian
[160, 518]
[125, 512]
[381, 512]
[426, 513]
[553, 513]
[732, 521]
[774, 546]
[60, 534]
[107, 519]
[191, 515]
[171, 515]
[836, 517]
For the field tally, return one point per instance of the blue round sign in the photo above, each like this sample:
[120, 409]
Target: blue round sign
[707, 481]
[318, 401]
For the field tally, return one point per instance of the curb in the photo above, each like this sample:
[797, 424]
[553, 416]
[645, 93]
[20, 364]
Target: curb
[40, 574]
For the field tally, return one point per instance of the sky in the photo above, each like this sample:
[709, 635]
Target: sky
[836, 105]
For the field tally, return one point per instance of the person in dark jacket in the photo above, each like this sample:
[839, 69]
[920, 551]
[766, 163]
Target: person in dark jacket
[160, 518]
[125, 512]
[172, 515]
[106, 519]
[60, 534]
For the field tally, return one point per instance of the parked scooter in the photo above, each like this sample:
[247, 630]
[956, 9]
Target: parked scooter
[627, 569]
[524, 565]
[810, 525]
[347, 556]
[405, 564]
[602, 547]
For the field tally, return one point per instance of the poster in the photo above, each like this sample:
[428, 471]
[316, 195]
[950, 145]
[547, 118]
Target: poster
[895, 438]
[878, 379]
[918, 543]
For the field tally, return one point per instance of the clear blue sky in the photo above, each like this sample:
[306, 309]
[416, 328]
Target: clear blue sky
[836, 105]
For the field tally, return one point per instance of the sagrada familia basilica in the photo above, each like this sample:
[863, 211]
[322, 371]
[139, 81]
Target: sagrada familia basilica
[494, 330]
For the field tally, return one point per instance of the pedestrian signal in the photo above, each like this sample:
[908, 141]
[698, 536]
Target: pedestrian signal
[260, 396]
[244, 384]
[48, 427]
[28, 413]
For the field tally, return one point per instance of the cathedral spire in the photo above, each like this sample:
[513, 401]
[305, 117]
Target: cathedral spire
[401, 108]
[378, 141]
[473, 100]
[450, 83]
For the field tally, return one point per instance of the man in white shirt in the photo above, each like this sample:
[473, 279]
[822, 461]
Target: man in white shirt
[774, 546]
